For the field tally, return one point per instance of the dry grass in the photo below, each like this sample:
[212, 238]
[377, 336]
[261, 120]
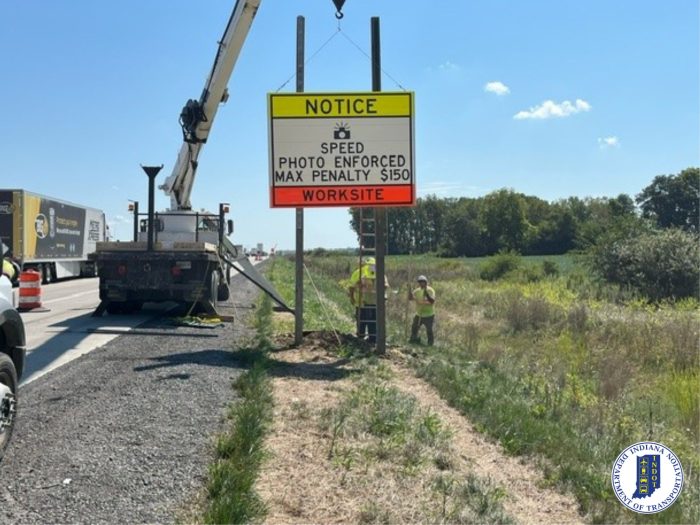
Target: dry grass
[316, 475]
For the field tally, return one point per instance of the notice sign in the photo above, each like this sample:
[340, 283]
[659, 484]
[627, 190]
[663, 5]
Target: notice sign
[341, 149]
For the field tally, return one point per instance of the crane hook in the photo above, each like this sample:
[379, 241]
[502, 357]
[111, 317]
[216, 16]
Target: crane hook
[339, 8]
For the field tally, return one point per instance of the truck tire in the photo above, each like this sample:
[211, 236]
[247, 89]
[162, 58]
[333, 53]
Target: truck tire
[214, 288]
[8, 391]
[223, 293]
[134, 306]
[116, 307]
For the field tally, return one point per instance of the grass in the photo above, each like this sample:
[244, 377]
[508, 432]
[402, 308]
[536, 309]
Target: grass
[554, 365]
[231, 496]
[398, 428]
[326, 301]
[376, 430]
[375, 425]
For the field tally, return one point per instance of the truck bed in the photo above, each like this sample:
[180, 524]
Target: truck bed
[140, 246]
[130, 273]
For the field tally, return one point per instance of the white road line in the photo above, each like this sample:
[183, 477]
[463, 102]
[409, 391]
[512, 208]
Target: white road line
[68, 297]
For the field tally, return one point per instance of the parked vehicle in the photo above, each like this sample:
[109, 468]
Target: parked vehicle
[50, 235]
[12, 354]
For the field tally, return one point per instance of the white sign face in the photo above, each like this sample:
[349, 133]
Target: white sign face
[341, 150]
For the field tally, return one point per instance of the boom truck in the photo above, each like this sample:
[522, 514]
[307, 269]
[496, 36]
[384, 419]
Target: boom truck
[183, 255]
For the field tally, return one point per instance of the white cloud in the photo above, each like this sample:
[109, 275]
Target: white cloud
[119, 219]
[550, 109]
[499, 88]
[609, 142]
[446, 189]
[449, 66]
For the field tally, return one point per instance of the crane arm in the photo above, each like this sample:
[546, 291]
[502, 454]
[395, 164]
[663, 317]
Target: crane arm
[197, 116]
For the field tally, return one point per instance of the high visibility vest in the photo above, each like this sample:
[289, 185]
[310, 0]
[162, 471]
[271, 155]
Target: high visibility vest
[362, 282]
[8, 269]
[423, 307]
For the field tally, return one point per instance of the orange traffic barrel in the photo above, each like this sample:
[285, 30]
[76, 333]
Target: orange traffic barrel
[29, 290]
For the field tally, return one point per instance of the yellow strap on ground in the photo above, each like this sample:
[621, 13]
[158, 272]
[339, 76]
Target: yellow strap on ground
[196, 321]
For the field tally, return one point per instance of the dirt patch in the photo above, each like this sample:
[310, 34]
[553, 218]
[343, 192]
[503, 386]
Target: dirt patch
[527, 500]
[303, 482]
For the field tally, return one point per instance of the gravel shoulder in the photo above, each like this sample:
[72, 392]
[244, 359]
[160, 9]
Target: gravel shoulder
[124, 434]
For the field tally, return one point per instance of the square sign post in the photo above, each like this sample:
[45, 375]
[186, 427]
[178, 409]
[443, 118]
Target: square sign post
[341, 149]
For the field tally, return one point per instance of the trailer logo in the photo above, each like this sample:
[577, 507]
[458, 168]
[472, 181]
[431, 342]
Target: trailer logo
[6, 208]
[41, 226]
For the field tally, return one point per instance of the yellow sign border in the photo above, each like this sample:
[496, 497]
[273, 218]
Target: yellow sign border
[340, 105]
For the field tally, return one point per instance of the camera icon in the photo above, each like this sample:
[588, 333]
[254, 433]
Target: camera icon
[341, 132]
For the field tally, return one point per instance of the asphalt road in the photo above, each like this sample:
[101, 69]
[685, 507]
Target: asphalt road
[123, 433]
[63, 329]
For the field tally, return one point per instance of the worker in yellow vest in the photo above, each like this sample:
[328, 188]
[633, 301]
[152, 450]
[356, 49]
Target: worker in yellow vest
[8, 269]
[424, 297]
[363, 296]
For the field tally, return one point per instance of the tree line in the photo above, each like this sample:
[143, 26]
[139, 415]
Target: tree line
[506, 220]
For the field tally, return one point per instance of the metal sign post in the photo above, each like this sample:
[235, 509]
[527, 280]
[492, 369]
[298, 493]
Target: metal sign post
[299, 259]
[379, 212]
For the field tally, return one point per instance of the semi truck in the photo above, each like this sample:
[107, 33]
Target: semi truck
[50, 235]
[180, 254]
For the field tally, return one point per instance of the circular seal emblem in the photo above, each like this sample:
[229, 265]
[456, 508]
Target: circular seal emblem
[647, 477]
[41, 226]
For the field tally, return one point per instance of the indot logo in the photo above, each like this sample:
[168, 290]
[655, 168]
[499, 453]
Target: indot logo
[647, 477]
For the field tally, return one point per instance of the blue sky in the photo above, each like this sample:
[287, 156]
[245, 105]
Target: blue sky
[547, 97]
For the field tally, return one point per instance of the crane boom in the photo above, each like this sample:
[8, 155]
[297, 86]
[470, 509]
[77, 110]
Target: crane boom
[197, 116]
[188, 257]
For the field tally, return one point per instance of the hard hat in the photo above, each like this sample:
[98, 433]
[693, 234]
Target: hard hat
[368, 260]
[422, 278]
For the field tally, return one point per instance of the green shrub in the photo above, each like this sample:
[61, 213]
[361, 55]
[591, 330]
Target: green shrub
[659, 264]
[498, 265]
[550, 268]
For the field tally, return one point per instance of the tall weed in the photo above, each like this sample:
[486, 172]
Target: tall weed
[682, 391]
